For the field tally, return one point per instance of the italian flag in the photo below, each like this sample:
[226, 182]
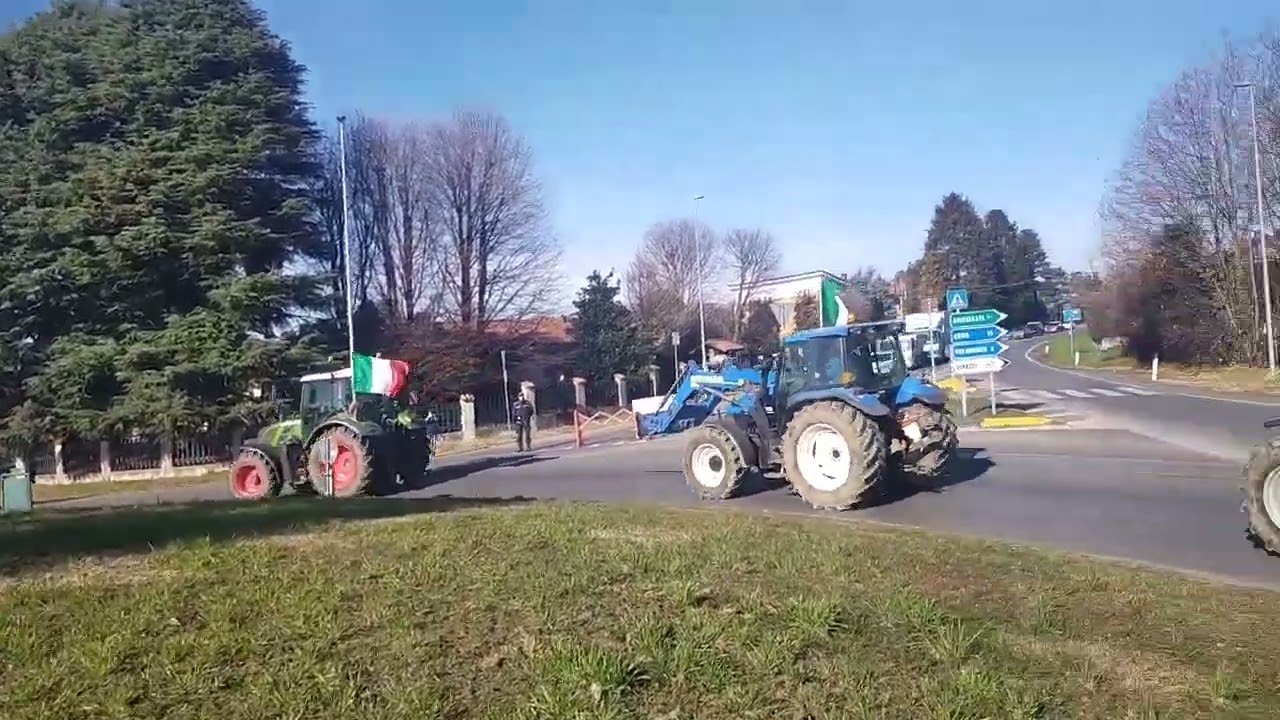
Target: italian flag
[378, 376]
[833, 310]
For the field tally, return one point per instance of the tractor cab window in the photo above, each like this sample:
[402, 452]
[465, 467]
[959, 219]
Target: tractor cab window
[875, 359]
[325, 397]
[816, 363]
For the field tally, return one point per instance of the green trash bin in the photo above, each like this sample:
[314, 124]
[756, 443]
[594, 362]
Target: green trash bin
[15, 490]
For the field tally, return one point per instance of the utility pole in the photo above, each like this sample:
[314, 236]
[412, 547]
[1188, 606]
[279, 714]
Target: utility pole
[346, 247]
[1262, 228]
[702, 313]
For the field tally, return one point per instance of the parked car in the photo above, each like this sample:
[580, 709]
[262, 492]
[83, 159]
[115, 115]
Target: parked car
[1052, 327]
[1034, 329]
[1017, 334]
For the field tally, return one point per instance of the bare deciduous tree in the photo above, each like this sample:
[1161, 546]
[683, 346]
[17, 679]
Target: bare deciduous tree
[752, 256]
[499, 258]
[676, 259]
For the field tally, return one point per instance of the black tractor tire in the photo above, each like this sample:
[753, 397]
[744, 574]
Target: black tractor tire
[352, 467]
[254, 476]
[1263, 530]
[864, 441]
[725, 470]
[939, 439]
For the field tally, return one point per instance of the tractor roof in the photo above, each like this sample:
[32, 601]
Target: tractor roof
[340, 374]
[835, 331]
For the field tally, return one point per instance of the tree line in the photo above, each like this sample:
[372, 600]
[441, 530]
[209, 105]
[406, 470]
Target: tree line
[1181, 258]
[1003, 266]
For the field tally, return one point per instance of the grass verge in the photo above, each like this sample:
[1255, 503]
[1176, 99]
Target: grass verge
[45, 492]
[430, 609]
[1091, 356]
[980, 409]
[1225, 378]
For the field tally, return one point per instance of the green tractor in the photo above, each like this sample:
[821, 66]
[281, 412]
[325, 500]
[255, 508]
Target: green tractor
[336, 446]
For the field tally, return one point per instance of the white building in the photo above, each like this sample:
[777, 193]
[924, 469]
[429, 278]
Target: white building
[785, 290]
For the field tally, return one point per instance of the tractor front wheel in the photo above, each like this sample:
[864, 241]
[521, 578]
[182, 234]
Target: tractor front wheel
[713, 463]
[1262, 496]
[342, 456]
[932, 441]
[833, 455]
[254, 476]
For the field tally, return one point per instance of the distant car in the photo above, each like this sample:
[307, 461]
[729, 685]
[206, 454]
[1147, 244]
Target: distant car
[1052, 327]
[1033, 329]
[1017, 334]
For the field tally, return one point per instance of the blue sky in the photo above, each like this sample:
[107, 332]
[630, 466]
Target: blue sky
[835, 125]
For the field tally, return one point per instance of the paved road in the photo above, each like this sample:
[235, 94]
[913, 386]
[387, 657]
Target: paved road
[1220, 424]
[1102, 492]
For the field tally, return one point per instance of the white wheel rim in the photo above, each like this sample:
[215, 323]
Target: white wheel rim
[708, 465]
[1271, 496]
[823, 457]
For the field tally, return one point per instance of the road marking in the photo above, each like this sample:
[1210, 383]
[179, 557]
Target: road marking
[1014, 395]
[1137, 391]
[1076, 393]
[1108, 393]
[1046, 394]
[1094, 378]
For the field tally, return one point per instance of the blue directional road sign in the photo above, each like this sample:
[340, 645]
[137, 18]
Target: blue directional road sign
[957, 299]
[978, 350]
[1072, 315]
[978, 334]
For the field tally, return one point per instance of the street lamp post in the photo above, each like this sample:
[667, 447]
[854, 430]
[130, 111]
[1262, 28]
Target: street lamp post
[702, 313]
[1262, 226]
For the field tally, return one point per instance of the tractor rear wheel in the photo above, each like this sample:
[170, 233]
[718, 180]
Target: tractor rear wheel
[254, 476]
[833, 455]
[930, 456]
[713, 463]
[1262, 496]
[350, 463]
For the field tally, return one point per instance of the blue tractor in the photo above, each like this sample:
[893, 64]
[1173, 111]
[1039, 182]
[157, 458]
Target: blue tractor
[843, 419]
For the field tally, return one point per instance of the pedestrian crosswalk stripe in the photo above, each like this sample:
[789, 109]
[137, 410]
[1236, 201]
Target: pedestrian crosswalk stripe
[1076, 393]
[1046, 394]
[1108, 393]
[1014, 396]
[1137, 391]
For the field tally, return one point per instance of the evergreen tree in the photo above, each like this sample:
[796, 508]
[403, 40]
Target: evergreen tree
[1024, 262]
[999, 234]
[153, 168]
[608, 338]
[761, 331]
[807, 313]
[953, 250]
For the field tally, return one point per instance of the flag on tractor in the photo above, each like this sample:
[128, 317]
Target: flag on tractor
[378, 376]
[834, 311]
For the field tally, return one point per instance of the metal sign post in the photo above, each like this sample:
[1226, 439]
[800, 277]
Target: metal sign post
[1071, 316]
[976, 348]
[675, 355]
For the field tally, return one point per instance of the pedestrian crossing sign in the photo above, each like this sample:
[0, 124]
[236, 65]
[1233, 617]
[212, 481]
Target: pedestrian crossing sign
[957, 299]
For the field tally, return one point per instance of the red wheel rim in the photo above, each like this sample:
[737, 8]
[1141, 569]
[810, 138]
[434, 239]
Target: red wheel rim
[345, 466]
[247, 481]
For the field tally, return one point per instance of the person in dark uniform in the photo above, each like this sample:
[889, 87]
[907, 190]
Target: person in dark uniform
[522, 415]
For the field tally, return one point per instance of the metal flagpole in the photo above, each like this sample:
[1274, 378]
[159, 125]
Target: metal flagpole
[506, 389]
[346, 262]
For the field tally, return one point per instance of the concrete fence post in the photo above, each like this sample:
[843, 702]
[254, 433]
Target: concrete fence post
[104, 459]
[59, 469]
[580, 392]
[653, 378]
[621, 381]
[467, 413]
[166, 453]
[1155, 368]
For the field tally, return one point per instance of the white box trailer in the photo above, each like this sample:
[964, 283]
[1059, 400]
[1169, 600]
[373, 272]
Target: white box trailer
[924, 335]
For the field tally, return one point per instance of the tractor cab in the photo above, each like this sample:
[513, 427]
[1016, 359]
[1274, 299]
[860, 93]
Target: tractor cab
[866, 357]
[325, 394]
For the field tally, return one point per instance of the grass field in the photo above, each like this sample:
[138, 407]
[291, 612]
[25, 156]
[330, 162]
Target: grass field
[1091, 356]
[504, 609]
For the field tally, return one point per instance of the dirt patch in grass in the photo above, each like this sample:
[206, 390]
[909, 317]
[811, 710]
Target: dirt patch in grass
[570, 610]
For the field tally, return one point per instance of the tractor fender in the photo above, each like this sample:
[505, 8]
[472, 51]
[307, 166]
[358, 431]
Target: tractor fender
[735, 427]
[361, 429]
[864, 402]
[913, 389]
[276, 454]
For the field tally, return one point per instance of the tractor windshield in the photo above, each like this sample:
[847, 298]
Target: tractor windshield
[875, 359]
[322, 398]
